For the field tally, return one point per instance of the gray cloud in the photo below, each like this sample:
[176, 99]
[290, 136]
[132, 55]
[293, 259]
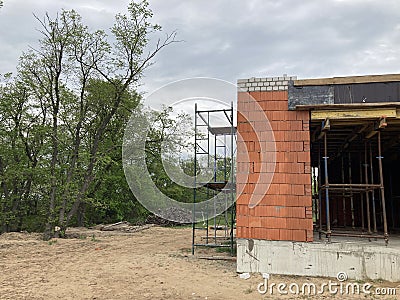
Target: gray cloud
[238, 39]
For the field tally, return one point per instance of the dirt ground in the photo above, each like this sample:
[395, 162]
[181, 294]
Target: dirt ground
[155, 263]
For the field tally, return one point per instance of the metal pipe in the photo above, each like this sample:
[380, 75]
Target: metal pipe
[233, 210]
[328, 221]
[354, 185]
[373, 192]
[382, 189]
[194, 186]
[319, 192]
[391, 200]
[343, 197]
[351, 196]
[367, 192]
[362, 198]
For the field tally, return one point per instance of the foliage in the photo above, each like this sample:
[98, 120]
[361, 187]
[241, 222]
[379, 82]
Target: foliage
[62, 120]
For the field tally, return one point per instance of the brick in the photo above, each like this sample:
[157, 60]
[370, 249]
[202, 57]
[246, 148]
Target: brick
[296, 125]
[281, 95]
[307, 170]
[261, 233]
[255, 221]
[297, 189]
[303, 135]
[292, 223]
[254, 156]
[306, 125]
[282, 146]
[252, 211]
[273, 105]
[242, 232]
[262, 189]
[296, 146]
[243, 199]
[306, 146]
[268, 136]
[310, 235]
[243, 128]
[273, 222]
[284, 189]
[280, 135]
[251, 178]
[291, 136]
[266, 96]
[273, 234]
[291, 116]
[242, 221]
[279, 178]
[242, 177]
[243, 97]
[306, 224]
[303, 115]
[257, 115]
[282, 125]
[276, 199]
[278, 116]
[266, 178]
[292, 200]
[249, 188]
[299, 235]
[308, 189]
[242, 167]
[296, 212]
[286, 235]
[242, 210]
[240, 117]
[304, 179]
[260, 211]
[305, 201]
[256, 95]
[240, 188]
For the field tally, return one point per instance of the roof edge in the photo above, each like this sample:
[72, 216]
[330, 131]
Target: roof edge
[347, 80]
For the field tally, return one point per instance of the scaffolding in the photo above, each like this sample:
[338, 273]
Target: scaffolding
[366, 194]
[215, 138]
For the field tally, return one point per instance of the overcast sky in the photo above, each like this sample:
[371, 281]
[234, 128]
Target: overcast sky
[231, 39]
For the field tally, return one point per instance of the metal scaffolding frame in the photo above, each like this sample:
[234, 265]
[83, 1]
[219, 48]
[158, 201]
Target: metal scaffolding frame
[365, 189]
[211, 148]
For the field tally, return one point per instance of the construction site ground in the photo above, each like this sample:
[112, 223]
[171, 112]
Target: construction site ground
[147, 263]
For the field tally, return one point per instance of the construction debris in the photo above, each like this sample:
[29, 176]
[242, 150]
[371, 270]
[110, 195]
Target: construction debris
[170, 216]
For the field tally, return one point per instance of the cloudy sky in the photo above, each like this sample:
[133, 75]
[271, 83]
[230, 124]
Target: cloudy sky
[231, 39]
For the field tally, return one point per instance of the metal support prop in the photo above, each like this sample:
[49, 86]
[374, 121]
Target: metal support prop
[351, 196]
[367, 192]
[373, 192]
[233, 207]
[382, 189]
[319, 192]
[194, 185]
[328, 221]
[343, 196]
[362, 197]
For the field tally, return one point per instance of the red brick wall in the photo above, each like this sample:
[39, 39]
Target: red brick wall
[285, 209]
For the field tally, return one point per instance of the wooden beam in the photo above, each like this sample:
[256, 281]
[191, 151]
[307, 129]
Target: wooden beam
[353, 114]
[348, 80]
[351, 106]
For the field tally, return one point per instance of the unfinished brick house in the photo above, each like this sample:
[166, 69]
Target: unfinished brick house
[317, 163]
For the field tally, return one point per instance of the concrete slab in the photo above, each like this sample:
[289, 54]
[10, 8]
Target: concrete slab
[359, 258]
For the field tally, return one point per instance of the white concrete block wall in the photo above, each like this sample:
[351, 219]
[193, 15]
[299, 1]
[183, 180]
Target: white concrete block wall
[265, 84]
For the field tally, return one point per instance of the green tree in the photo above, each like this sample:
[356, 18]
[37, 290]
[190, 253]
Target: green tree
[81, 92]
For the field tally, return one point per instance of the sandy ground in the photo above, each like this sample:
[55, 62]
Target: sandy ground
[151, 264]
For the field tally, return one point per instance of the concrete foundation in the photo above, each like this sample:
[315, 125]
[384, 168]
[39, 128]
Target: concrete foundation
[360, 259]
